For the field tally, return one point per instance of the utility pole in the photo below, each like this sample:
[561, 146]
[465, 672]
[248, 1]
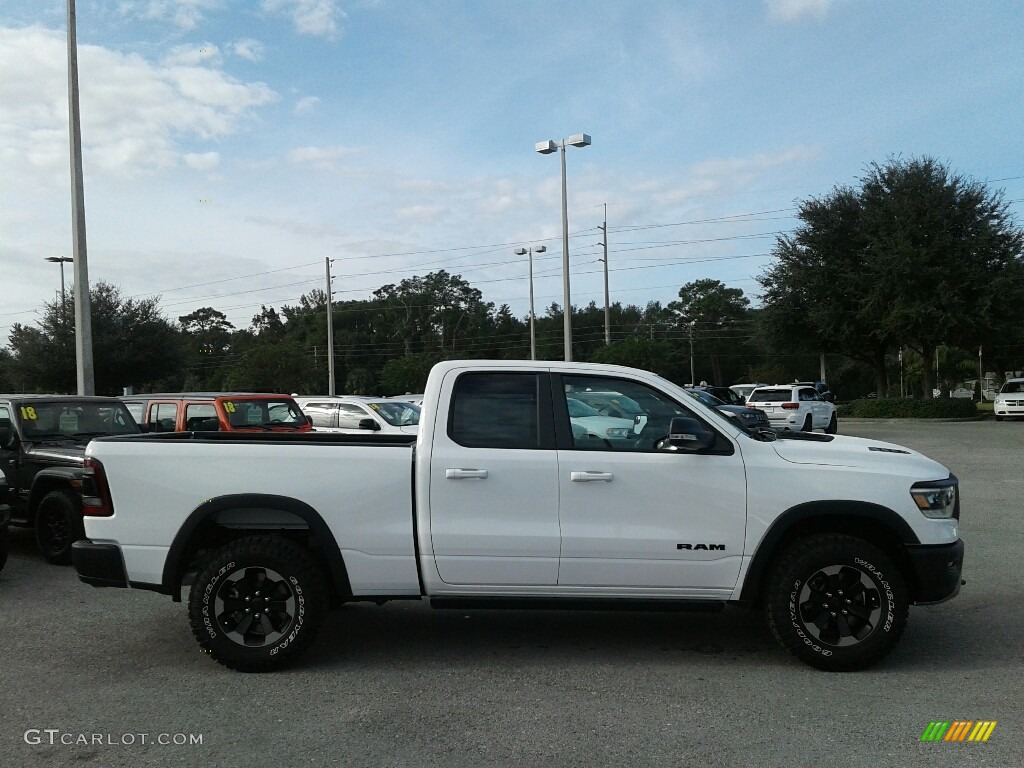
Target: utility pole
[330, 332]
[607, 315]
[83, 310]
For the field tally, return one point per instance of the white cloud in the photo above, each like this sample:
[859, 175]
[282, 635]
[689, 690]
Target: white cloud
[184, 14]
[318, 18]
[794, 10]
[191, 55]
[425, 214]
[251, 50]
[134, 112]
[205, 161]
[321, 158]
[306, 105]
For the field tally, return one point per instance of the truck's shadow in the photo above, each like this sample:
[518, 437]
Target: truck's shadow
[401, 633]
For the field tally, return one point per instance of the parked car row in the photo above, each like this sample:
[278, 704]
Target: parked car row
[216, 411]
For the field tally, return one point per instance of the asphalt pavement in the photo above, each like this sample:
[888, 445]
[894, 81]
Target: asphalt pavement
[96, 677]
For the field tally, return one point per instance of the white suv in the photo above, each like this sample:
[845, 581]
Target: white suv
[794, 406]
[1010, 400]
[359, 415]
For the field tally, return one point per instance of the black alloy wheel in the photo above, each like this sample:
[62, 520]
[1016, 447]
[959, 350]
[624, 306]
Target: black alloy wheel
[257, 602]
[836, 602]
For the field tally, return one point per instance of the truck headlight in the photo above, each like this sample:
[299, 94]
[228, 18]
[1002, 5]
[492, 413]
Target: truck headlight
[938, 499]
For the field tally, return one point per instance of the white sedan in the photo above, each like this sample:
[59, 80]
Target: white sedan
[588, 422]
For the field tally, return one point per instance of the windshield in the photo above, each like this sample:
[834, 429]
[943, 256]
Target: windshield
[263, 413]
[1012, 387]
[396, 413]
[41, 420]
[705, 397]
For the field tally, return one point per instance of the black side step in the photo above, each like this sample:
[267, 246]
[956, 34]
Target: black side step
[577, 604]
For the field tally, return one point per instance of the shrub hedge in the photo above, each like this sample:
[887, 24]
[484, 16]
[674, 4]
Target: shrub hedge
[907, 408]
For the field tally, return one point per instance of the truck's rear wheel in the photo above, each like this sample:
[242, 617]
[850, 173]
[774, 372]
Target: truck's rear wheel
[836, 602]
[58, 526]
[257, 602]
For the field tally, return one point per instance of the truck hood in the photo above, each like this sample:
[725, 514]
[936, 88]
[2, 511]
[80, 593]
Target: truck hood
[64, 453]
[844, 451]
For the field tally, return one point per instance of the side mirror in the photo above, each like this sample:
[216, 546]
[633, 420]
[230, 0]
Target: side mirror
[369, 424]
[828, 396]
[686, 434]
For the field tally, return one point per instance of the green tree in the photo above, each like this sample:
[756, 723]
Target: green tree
[407, 373]
[917, 256]
[133, 344]
[713, 316]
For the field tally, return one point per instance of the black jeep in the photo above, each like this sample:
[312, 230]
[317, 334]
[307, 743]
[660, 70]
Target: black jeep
[42, 452]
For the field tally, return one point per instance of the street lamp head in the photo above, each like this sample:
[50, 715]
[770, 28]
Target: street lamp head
[58, 259]
[520, 251]
[546, 147]
[578, 140]
[540, 249]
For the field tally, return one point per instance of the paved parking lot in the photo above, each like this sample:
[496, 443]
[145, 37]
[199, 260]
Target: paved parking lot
[402, 685]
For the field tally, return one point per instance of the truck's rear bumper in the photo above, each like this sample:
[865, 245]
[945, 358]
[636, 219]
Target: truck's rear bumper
[99, 564]
[937, 569]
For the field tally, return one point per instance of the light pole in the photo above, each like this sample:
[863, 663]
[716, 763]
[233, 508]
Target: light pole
[546, 148]
[62, 260]
[533, 334]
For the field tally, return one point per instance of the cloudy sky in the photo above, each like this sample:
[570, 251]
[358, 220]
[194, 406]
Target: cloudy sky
[231, 146]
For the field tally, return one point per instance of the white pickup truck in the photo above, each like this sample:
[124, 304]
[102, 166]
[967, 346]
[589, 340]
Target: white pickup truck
[503, 501]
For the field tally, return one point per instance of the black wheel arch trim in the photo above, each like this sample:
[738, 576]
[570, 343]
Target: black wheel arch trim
[768, 547]
[176, 564]
[66, 476]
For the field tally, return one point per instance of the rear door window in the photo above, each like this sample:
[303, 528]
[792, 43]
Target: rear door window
[497, 410]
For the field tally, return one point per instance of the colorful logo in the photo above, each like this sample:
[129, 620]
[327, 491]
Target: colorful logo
[958, 730]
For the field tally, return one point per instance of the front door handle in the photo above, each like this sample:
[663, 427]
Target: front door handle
[590, 477]
[462, 474]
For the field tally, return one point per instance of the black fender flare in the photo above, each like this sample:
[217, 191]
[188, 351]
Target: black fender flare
[69, 477]
[174, 565]
[842, 512]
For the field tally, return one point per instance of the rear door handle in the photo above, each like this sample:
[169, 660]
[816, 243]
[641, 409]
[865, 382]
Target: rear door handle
[590, 477]
[463, 474]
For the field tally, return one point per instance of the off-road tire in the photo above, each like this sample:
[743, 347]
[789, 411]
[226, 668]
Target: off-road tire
[818, 577]
[58, 525]
[290, 605]
[833, 425]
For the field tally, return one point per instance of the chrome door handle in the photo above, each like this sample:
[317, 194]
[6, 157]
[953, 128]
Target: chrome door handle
[462, 474]
[589, 477]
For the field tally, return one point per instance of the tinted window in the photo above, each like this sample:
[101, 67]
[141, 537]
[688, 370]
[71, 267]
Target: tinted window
[771, 395]
[496, 410]
[197, 413]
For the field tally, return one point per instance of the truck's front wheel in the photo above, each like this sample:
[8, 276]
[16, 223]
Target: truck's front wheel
[836, 602]
[257, 602]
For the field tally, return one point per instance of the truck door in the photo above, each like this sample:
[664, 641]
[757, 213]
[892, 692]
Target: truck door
[493, 481]
[636, 516]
